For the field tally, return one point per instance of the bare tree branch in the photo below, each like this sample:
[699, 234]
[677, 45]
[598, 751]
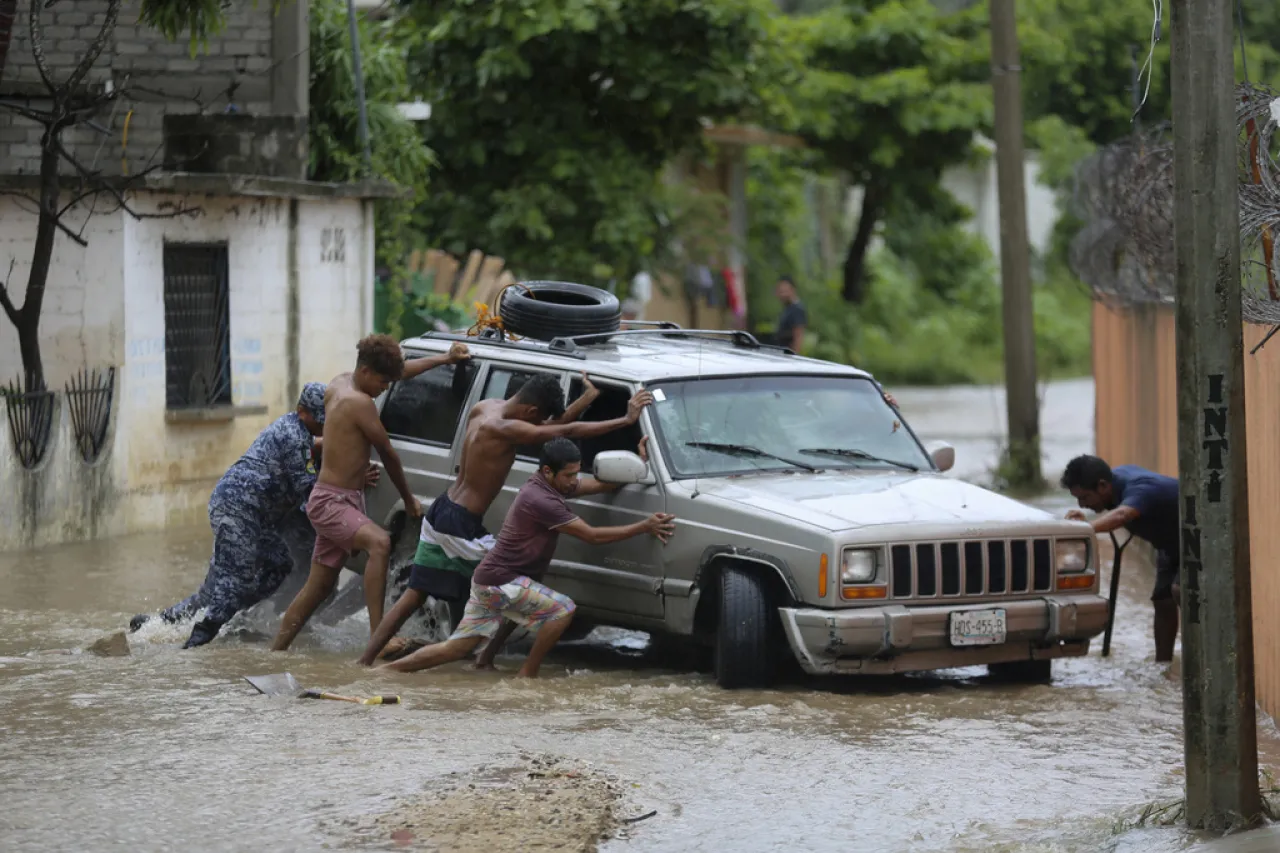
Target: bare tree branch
[9, 310]
[38, 116]
[95, 49]
[36, 32]
[101, 185]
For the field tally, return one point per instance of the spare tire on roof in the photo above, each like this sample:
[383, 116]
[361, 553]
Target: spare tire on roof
[558, 309]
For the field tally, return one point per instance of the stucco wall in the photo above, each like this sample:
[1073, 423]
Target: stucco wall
[289, 325]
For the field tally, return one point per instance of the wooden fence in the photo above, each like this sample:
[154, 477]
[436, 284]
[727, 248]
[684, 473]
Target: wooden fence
[1136, 422]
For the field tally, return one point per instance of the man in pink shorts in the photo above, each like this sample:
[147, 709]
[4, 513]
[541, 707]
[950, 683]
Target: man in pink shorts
[507, 583]
[336, 506]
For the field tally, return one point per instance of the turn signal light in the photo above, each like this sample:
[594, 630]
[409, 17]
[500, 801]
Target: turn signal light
[822, 577]
[854, 592]
[1075, 581]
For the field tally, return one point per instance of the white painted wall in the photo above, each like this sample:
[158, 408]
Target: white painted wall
[106, 307]
[975, 187]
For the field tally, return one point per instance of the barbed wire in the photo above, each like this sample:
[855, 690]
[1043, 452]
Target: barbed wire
[1123, 195]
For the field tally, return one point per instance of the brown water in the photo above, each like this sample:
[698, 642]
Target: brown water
[167, 749]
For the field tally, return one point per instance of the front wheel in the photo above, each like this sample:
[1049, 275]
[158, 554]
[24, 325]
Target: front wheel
[1022, 671]
[744, 651]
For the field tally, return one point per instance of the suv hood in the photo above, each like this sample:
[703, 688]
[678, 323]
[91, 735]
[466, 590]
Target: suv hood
[848, 499]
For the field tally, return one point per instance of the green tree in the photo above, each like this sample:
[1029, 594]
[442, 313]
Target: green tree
[552, 120]
[891, 94]
[398, 153]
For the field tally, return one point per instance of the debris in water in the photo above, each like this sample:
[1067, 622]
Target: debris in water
[644, 816]
[114, 646]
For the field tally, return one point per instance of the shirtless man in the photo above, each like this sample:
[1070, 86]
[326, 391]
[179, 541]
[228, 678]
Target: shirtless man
[454, 540]
[336, 506]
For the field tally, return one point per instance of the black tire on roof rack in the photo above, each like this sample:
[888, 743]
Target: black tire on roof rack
[559, 309]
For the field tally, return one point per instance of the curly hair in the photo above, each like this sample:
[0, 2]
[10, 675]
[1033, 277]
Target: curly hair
[543, 391]
[1085, 472]
[381, 354]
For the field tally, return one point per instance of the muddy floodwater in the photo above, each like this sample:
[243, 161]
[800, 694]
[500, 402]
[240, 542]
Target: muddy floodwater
[170, 750]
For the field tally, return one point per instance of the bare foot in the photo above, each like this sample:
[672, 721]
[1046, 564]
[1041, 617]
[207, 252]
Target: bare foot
[481, 666]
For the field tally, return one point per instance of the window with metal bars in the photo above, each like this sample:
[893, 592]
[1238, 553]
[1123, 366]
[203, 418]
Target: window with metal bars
[197, 325]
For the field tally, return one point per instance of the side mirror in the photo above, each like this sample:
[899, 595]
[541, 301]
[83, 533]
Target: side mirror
[621, 468]
[942, 454]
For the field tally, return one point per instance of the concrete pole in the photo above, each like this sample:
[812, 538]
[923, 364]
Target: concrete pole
[357, 68]
[1217, 624]
[1015, 256]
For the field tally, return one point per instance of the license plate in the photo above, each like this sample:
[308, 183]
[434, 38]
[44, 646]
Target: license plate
[978, 627]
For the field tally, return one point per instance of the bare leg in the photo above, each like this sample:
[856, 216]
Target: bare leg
[495, 645]
[1166, 626]
[373, 539]
[434, 655]
[391, 624]
[319, 585]
[547, 637]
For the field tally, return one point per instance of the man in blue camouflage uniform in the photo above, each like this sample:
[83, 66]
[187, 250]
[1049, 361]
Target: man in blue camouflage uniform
[256, 511]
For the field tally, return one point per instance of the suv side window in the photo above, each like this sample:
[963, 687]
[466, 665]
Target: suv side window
[427, 407]
[612, 403]
[503, 384]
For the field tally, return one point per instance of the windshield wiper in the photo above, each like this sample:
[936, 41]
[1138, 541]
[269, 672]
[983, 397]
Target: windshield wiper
[854, 453]
[747, 450]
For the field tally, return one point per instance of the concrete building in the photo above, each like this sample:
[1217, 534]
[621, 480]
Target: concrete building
[203, 308]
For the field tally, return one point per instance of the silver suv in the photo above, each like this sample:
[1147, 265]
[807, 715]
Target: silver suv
[810, 518]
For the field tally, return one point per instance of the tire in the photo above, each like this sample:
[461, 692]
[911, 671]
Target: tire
[559, 309]
[1022, 672]
[744, 651]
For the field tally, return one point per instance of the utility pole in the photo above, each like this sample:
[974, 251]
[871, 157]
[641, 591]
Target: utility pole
[1217, 621]
[1015, 255]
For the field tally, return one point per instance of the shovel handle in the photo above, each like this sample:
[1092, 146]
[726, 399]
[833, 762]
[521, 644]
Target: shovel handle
[373, 700]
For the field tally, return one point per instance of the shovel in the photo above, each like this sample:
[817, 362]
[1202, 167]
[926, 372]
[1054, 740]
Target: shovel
[284, 684]
[1115, 590]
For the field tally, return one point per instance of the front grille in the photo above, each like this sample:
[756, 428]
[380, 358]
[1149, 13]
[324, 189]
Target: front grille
[971, 568]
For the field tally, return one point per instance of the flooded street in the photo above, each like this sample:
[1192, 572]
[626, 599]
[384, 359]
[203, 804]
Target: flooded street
[165, 749]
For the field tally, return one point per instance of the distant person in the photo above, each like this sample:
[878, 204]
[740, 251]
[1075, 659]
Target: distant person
[336, 506]
[454, 539]
[254, 510]
[507, 584]
[1146, 504]
[794, 318]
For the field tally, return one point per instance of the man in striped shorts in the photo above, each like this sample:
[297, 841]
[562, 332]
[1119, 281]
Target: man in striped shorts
[506, 589]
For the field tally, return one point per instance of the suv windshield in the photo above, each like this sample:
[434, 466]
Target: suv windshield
[713, 427]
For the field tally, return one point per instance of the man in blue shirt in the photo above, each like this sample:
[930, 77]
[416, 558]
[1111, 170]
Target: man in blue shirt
[256, 511]
[1146, 504]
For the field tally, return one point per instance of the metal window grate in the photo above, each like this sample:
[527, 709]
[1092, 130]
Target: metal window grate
[89, 395]
[30, 420]
[197, 326]
[971, 568]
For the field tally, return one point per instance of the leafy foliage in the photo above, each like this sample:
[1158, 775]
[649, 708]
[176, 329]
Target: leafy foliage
[891, 94]
[397, 150]
[553, 120]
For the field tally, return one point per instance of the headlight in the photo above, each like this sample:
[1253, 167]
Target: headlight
[1071, 555]
[859, 565]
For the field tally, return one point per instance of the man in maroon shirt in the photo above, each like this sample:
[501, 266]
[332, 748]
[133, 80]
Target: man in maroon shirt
[507, 585]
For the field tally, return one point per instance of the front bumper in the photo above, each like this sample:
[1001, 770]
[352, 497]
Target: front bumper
[898, 638]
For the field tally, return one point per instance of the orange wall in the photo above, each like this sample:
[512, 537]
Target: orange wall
[1136, 422]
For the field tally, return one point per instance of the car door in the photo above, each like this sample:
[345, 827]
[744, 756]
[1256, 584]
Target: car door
[622, 579]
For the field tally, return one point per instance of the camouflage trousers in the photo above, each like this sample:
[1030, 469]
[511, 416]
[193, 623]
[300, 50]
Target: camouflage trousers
[250, 560]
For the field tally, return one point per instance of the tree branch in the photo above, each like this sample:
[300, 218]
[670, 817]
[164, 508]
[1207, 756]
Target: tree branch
[36, 32]
[95, 49]
[9, 310]
[38, 116]
[100, 185]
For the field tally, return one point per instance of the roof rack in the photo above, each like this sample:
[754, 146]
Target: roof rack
[655, 324]
[739, 338]
[493, 340]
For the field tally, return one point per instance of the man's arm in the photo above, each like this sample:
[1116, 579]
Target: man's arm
[592, 486]
[417, 366]
[797, 338]
[522, 432]
[371, 426]
[1110, 520]
[580, 405]
[659, 524]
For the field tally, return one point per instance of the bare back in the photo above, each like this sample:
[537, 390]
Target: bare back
[345, 460]
[487, 458]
